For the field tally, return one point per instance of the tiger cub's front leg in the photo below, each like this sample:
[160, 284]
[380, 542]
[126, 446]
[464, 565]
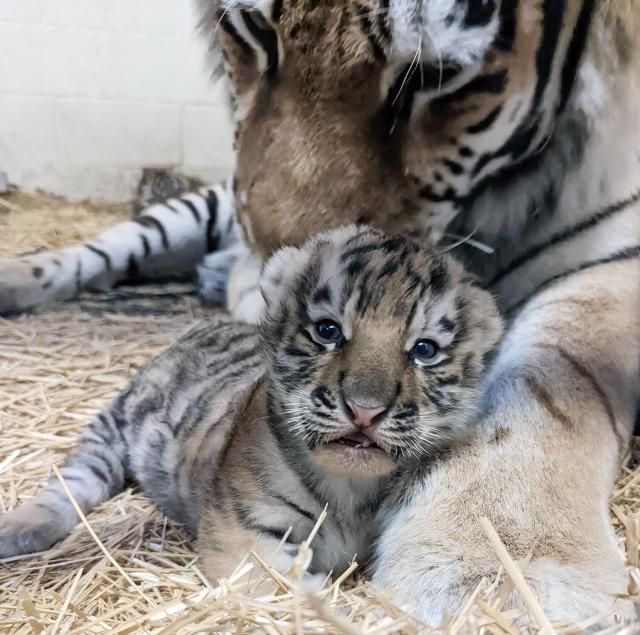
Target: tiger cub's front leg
[558, 413]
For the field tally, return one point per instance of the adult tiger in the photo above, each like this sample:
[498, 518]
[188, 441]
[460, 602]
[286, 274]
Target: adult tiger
[515, 122]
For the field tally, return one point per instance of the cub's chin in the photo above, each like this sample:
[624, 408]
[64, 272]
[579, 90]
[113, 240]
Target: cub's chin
[340, 459]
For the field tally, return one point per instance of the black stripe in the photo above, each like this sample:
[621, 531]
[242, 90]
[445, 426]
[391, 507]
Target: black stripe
[575, 51]
[507, 33]
[243, 516]
[172, 207]
[102, 428]
[212, 207]
[278, 534]
[516, 146]
[565, 235]
[267, 39]
[295, 507]
[449, 195]
[438, 277]
[485, 123]
[228, 377]
[492, 83]
[411, 79]
[447, 380]
[410, 315]
[193, 209]
[319, 348]
[629, 253]
[552, 21]
[383, 21]
[453, 166]
[293, 351]
[479, 13]
[150, 221]
[320, 393]
[438, 399]
[322, 294]
[133, 270]
[276, 11]
[520, 141]
[367, 29]
[78, 276]
[99, 473]
[105, 256]
[447, 324]
[228, 27]
[145, 246]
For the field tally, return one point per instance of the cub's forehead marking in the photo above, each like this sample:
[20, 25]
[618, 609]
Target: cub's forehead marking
[428, 318]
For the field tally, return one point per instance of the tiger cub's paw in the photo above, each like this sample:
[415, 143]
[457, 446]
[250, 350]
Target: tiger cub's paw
[29, 529]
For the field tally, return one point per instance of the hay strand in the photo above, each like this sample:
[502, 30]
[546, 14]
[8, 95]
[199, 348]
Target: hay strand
[515, 574]
[93, 534]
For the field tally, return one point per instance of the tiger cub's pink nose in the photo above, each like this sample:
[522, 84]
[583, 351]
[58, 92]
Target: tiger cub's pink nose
[363, 416]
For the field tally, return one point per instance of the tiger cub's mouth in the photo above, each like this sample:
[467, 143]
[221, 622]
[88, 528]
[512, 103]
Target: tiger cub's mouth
[358, 441]
[356, 455]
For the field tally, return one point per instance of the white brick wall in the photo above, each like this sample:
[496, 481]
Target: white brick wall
[91, 91]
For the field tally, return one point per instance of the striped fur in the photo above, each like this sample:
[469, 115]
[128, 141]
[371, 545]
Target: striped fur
[164, 240]
[508, 127]
[239, 432]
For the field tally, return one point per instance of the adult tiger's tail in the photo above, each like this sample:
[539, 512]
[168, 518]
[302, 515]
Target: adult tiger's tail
[164, 239]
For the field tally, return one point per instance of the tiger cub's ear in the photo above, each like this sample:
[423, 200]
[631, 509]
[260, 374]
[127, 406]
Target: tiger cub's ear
[278, 273]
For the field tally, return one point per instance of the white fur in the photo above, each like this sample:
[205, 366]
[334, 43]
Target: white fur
[422, 28]
[61, 271]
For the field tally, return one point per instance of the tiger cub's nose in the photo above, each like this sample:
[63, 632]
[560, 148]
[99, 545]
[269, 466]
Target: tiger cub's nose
[364, 415]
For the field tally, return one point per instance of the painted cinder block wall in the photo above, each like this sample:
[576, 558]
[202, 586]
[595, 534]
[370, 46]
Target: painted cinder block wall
[92, 91]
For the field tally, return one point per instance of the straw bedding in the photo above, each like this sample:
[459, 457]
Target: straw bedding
[128, 569]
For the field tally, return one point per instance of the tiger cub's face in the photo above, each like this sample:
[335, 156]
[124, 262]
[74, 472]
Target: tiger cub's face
[375, 347]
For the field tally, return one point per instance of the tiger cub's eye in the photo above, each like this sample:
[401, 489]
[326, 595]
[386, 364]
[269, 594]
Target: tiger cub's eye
[425, 350]
[328, 331]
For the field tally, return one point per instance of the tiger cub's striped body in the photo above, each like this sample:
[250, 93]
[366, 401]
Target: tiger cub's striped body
[366, 363]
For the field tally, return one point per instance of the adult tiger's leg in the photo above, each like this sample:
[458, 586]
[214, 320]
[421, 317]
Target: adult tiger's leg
[244, 298]
[558, 414]
[165, 239]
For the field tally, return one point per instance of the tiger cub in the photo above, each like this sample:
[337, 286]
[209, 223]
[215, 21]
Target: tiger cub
[366, 361]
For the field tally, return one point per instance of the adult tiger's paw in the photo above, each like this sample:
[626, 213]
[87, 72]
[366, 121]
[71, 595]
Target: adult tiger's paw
[31, 281]
[243, 296]
[436, 586]
[213, 276]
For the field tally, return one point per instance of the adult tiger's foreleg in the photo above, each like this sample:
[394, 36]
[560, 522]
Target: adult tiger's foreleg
[165, 239]
[558, 415]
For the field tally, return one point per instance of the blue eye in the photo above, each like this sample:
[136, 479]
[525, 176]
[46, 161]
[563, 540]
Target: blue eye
[328, 331]
[425, 350]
